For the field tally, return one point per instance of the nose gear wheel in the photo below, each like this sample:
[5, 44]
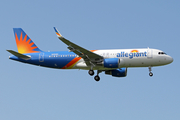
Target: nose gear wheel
[150, 73]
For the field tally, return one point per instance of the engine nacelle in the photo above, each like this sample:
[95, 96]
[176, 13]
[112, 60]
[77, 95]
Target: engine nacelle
[112, 62]
[121, 72]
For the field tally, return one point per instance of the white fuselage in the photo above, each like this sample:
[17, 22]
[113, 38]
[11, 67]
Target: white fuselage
[131, 58]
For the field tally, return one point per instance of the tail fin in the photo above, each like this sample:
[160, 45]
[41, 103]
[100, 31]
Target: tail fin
[24, 43]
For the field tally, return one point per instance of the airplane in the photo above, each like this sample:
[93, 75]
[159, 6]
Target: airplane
[111, 61]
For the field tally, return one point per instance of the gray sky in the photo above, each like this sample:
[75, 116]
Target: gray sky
[30, 92]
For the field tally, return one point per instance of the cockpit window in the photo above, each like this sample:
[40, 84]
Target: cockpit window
[161, 53]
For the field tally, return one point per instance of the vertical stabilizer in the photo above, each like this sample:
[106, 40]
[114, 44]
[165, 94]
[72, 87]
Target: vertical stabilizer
[24, 43]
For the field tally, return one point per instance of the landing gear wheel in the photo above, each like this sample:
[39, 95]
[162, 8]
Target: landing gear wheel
[150, 74]
[97, 78]
[91, 72]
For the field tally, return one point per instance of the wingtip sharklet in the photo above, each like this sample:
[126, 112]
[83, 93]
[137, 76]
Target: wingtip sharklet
[57, 32]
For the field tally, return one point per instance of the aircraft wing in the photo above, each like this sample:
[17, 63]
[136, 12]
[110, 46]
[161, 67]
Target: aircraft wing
[89, 57]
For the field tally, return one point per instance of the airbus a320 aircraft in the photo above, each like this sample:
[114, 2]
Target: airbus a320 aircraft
[113, 61]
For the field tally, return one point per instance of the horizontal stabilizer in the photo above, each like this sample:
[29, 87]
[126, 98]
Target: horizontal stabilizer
[19, 55]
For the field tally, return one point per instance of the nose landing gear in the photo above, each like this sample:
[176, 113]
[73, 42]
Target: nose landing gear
[150, 73]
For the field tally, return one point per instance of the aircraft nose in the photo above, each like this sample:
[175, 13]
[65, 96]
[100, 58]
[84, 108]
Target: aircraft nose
[170, 59]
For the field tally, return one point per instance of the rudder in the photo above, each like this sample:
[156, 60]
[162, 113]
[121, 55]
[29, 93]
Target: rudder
[24, 43]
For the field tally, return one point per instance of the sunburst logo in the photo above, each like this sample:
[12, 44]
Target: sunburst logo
[134, 51]
[25, 45]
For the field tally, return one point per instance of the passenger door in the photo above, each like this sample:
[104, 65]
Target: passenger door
[149, 53]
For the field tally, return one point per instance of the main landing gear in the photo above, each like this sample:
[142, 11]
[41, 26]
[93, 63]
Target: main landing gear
[91, 72]
[97, 78]
[150, 73]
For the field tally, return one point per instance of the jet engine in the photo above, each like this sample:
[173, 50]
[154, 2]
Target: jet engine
[112, 63]
[121, 72]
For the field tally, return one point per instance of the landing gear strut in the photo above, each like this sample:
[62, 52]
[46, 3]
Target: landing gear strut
[150, 73]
